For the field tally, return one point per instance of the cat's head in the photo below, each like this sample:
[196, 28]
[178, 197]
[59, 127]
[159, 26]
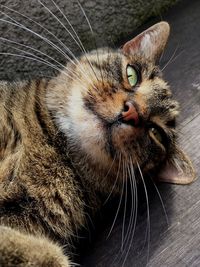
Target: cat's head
[117, 108]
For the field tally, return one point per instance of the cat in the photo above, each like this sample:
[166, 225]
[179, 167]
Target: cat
[65, 142]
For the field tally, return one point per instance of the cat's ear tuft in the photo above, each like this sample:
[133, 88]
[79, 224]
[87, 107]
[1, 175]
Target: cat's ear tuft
[178, 170]
[150, 43]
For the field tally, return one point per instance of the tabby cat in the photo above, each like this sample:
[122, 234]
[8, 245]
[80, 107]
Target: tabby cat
[64, 143]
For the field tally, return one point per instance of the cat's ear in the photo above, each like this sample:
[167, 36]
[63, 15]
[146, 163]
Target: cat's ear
[178, 170]
[150, 43]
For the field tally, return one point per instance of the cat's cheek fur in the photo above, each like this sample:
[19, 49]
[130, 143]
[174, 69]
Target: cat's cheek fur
[84, 129]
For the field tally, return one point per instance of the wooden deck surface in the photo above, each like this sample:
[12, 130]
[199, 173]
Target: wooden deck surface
[178, 242]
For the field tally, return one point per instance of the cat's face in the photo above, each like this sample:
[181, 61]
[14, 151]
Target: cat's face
[119, 108]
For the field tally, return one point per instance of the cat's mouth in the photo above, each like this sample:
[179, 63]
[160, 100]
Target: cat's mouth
[130, 123]
[127, 130]
[125, 136]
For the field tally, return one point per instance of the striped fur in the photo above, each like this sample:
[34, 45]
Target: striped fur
[59, 139]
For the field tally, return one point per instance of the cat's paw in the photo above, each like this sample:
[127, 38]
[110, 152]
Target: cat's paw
[21, 250]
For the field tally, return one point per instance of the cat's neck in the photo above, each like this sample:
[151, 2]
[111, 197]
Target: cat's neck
[93, 177]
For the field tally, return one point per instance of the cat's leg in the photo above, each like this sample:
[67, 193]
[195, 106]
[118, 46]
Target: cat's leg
[22, 250]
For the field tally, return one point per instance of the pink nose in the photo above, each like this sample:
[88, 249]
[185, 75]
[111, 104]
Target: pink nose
[130, 114]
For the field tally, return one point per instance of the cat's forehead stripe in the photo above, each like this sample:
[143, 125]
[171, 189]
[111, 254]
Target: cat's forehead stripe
[113, 65]
[106, 66]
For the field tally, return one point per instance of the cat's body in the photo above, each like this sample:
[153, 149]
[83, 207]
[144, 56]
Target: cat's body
[62, 142]
[39, 191]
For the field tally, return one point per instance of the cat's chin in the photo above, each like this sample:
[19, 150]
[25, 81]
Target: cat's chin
[124, 137]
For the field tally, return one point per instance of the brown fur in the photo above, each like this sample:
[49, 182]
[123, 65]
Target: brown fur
[39, 192]
[58, 139]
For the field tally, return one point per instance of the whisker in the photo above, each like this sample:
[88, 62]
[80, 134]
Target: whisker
[125, 204]
[45, 29]
[78, 41]
[114, 158]
[132, 206]
[133, 218]
[38, 51]
[76, 35]
[61, 23]
[172, 58]
[94, 39]
[119, 205]
[115, 179]
[32, 58]
[148, 214]
[161, 200]
[57, 48]
[71, 26]
[19, 25]
[55, 67]
[37, 59]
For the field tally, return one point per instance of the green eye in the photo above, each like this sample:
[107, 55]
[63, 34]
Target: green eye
[132, 75]
[156, 134]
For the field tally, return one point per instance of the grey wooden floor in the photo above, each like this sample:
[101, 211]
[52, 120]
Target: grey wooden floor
[178, 242]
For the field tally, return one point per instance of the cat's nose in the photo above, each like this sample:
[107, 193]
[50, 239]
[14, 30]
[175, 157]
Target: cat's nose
[130, 114]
